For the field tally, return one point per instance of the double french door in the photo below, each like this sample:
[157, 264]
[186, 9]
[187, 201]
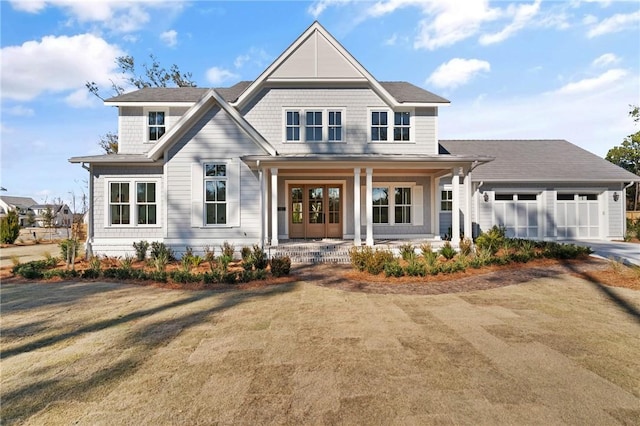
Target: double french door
[315, 211]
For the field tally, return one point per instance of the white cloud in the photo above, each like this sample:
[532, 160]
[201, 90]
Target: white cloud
[605, 60]
[117, 15]
[317, 7]
[592, 84]
[391, 41]
[81, 98]
[256, 56]
[616, 23]
[457, 72]
[20, 111]
[170, 38]
[522, 15]
[589, 19]
[216, 75]
[548, 116]
[56, 64]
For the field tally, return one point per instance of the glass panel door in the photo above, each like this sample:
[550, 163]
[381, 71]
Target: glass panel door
[334, 227]
[296, 216]
[316, 212]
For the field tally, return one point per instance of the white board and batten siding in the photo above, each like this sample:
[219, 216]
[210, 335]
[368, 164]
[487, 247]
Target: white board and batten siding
[214, 138]
[266, 113]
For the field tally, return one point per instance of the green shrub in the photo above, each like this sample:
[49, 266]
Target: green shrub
[185, 277]
[228, 249]
[447, 251]
[360, 257]
[229, 277]
[426, 249]
[210, 256]
[393, 269]
[223, 261]
[212, 277]
[245, 253]
[161, 250]
[160, 276]
[415, 268]
[280, 266]
[491, 240]
[65, 246]
[452, 267]
[90, 274]
[407, 251]
[160, 261]
[126, 262]
[259, 256]
[118, 273]
[141, 249]
[376, 263]
[476, 262]
[260, 274]
[430, 257]
[30, 270]
[62, 273]
[9, 227]
[466, 247]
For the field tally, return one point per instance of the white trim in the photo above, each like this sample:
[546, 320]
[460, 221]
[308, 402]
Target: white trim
[149, 104]
[356, 207]
[302, 111]
[391, 125]
[133, 211]
[391, 186]
[274, 206]
[145, 116]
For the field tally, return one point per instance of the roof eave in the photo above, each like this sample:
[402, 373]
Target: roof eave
[148, 103]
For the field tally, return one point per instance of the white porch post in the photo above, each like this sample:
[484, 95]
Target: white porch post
[369, 206]
[264, 227]
[455, 206]
[468, 223]
[356, 207]
[274, 207]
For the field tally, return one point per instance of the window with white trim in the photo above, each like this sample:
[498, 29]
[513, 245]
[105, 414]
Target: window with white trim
[215, 199]
[446, 200]
[335, 126]
[313, 126]
[401, 126]
[379, 125]
[156, 125]
[146, 203]
[402, 205]
[293, 126]
[119, 207]
[380, 205]
[382, 129]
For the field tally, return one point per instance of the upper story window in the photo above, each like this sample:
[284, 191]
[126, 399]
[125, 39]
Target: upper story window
[156, 125]
[319, 125]
[335, 126]
[379, 125]
[383, 130]
[215, 181]
[313, 126]
[293, 126]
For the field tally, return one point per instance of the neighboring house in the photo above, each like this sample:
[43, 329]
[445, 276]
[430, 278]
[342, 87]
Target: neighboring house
[22, 205]
[316, 147]
[62, 216]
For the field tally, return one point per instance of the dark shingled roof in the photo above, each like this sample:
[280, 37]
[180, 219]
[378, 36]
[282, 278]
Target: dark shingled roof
[537, 160]
[402, 91]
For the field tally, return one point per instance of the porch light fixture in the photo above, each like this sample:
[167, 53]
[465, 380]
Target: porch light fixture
[616, 196]
[485, 197]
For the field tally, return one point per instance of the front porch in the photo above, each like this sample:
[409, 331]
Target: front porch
[337, 250]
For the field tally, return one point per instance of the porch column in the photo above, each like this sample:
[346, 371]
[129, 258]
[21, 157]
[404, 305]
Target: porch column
[468, 230]
[455, 206]
[264, 210]
[274, 207]
[369, 206]
[356, 207]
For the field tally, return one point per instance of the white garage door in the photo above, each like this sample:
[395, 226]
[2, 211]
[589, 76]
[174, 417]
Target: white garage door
[577, 215]
[518, 213]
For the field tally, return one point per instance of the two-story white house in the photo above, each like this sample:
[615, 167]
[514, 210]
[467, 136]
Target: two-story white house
[317, 148]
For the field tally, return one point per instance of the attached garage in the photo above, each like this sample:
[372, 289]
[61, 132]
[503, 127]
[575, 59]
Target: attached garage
[577, 215]
[518, 213]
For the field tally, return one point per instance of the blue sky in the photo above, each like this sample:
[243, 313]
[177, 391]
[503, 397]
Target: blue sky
[512, 69]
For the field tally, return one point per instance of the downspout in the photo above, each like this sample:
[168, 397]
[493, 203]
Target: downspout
[624, 208]
[88, 248]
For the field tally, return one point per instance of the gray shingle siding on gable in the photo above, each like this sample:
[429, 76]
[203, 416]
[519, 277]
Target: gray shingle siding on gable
[537, 161]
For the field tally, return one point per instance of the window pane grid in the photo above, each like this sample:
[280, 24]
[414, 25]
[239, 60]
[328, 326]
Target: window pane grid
[402, 205]
[119, 203]
[293, 126]
[378, 126]
[313, 126]
[146, 199]
[156, 125]
[401, 126]
[215, 194]
[335, 125]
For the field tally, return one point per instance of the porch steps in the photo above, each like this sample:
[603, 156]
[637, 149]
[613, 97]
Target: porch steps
[334, 251]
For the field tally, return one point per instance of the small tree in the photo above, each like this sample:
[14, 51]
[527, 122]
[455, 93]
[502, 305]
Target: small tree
[627, 156]
[31, 218]
[9, 227]
[47, 219]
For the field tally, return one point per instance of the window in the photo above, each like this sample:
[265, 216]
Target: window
[378, 125]
[504, 197]
[215, 177]
[146, 203]
[156, 125]
[401, 126]
[380, 205]
[293, 126]
[587, 197]
[403, 205]
[313, 126]
[335, 126]
[527, 197]
[446, 201]
[119, 203]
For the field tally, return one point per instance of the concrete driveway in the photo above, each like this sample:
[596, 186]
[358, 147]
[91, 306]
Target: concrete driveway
[626, 252]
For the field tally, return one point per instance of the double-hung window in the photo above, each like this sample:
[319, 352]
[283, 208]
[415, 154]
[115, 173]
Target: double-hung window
[215, 184]
[293, 126]
[335, 126]
[156, 125]
[387, 125]
[146, 203]
[380, 205]
[446, 200]
[313, 126]
[401, 126]
[119, 207]
[402, 205]
[379, 124]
